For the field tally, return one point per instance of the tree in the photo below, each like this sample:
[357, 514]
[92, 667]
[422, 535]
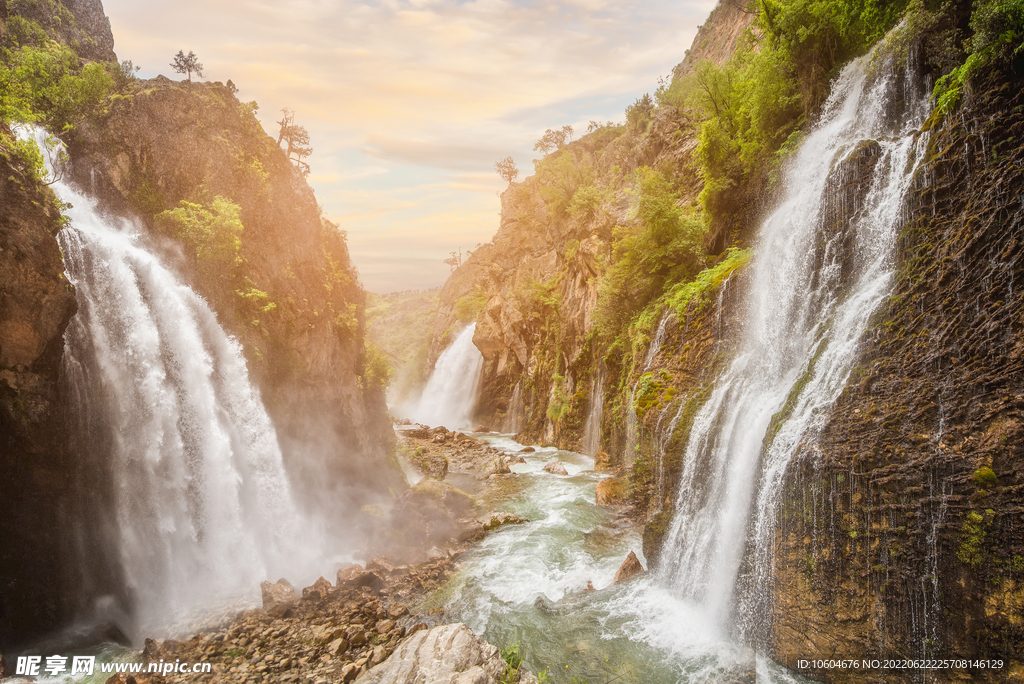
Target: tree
[297, 138]
[187, 64]
[507, 169]
[554, 140]
[455, 260]
[231, 86]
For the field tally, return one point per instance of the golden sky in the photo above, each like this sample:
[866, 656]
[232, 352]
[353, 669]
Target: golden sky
[409, 103]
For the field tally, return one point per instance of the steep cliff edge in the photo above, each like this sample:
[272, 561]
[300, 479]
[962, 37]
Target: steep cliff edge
[289, 291]
[902, 533]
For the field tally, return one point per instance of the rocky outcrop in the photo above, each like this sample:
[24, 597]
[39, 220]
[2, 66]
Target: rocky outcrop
[448, 654]
[302, 324]
[629, 569]
[36, 303]
[80, 24]
[718, 37]
[900, 536]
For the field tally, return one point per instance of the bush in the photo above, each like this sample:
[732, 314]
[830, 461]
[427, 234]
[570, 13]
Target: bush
[212, 232]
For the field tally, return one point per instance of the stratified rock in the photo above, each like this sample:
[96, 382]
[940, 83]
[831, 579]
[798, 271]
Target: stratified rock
[556, 468]
[610, 491]
[449, 653]
[630, 568]
[278, 597]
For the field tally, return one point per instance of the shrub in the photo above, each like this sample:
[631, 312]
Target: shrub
[213, 233]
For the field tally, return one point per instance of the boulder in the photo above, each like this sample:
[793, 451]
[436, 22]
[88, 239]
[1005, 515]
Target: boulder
[555, 467]
[318, 591]
[482, 428]
[278, 597]
[347, 572]
[630, 568]
[500, 467]
[527, 450]
[368, 579]
[448, 653]
[610, 491]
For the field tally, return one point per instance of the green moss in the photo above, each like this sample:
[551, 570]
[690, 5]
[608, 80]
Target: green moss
[707, 281]
[984, 477]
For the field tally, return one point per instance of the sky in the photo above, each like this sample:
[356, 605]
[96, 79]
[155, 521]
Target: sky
[409, 103]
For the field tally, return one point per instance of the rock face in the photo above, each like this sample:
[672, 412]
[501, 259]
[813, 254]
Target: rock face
[36, 303]
[919, 467]
[448, 654]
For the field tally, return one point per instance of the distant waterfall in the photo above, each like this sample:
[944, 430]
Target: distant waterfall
[202, 502]
[450, 395]
[823, 265]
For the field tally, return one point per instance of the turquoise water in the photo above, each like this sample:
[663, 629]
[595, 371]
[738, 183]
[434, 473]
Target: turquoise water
[527, 584]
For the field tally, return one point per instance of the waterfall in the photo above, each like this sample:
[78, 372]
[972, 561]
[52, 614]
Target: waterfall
[592, 426]
[823, 265]
[450, 395]
[202, 503]
[516, 410]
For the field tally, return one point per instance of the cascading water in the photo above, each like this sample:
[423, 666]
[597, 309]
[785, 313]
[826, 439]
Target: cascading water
[813, 288]
[450, 395]
[516, 409]
[592, 427]
[202, 502]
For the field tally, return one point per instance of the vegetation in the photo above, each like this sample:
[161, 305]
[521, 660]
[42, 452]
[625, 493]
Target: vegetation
[507, 169]
[187, 64]
[213, 232]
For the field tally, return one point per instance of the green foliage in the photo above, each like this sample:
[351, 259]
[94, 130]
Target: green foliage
[560, 176]
[468, 307]
[651, 391]
[213, 233]
[707, 281]
[49, 84]
[123, 74]
[665, 247]
[585, 202]
[377, 371]
[973, 533]
[27, 152]
[558, 404]
[640, 113]
[998, 36]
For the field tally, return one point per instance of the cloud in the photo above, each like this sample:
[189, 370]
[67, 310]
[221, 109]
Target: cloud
[410, 102]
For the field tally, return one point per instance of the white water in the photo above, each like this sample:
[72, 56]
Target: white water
[803, 323]
[450, 395]
[203, 504]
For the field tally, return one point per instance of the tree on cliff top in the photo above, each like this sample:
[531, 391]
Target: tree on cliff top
[297, 138]
[553, 140]
[187, 64]
[507, 169]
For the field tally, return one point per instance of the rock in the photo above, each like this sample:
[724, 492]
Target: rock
[500, 467]
[496, 520]
[527, 450]
[610, 491]
[278, 598]
[555, 467]
[630, 568]
[349, 672]
[122, 678]
[417, 627]
[602, 461]
[318, 591]
[367, 579]
[337, 647]
[482, 428]
[448, 653]
[518, 459]
[347, 572]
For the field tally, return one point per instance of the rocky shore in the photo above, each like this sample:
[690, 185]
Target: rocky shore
[347, 630]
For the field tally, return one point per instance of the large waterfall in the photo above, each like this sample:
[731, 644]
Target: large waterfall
[824, 263]
[450, 395]
[202, 505]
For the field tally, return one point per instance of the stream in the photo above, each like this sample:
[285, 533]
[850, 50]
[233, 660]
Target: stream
[527, 584]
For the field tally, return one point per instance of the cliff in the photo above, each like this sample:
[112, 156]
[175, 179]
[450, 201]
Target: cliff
[902, 538]
[294, 298]
[290, 295]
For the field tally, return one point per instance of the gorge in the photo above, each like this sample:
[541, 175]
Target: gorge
[765, 334]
